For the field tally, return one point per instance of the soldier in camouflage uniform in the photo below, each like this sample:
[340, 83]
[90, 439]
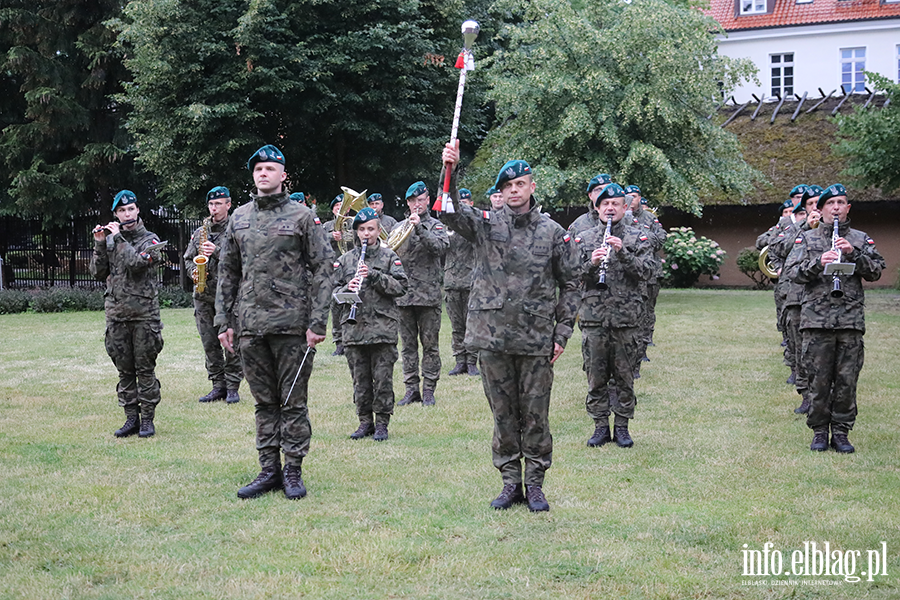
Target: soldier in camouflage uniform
[496, 198]
[832, 327]
[125, 255]
[299, 197]
[611, 319]
[420, 308]
[376, 203]
[371, 342]
[274, 289]
[590, 219]
[334, 237]
[649, 225]
[457, 282]
[521, 313]
[224, 371]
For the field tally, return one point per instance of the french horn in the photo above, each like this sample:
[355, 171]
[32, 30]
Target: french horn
[765, 265]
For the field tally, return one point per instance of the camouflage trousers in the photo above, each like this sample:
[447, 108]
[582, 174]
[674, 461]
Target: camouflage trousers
[372, 368]
[133, 347]
[518, 391]
[790, 317]
[457, 302]
[610, 354]
[833, 359]
[270, 365]
[650, 312]
[420, 322]
[780, 297]
[222, 367]
[336, 322]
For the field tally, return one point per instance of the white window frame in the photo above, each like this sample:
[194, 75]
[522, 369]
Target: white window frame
[856, 84]
[781, 64]
[753, 7]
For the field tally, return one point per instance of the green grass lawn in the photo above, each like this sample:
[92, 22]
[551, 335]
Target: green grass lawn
[720, 461]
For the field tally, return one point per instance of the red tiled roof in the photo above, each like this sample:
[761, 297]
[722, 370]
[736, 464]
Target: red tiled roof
[788, 12]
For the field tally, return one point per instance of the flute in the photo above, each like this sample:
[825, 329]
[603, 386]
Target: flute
[351, 318]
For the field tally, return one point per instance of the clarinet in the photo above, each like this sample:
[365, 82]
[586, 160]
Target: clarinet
[602, 285]
[836, 291]
[351, 318]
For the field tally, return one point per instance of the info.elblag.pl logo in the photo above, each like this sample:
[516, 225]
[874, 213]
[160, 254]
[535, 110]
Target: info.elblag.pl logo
[819, 560]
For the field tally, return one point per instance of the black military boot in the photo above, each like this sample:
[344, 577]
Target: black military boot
[601, 435]
[536, 500]
[217, 393]
[132, 422]
[509, 495]
[365, 429]
[412, 395]
[460, 367]
[338, 350]
[792, 378]
[381, 432]
[232, 397]
[620, 432]
[147, 413]
[268, 479]
[472, 369]
[820, 439]
[427, 397]
[293, 483]
[803, 409]
[839, 440]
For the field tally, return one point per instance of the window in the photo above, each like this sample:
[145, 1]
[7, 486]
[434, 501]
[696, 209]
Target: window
[753, 7]
[853, 63]
[782, 70]
[898, 64]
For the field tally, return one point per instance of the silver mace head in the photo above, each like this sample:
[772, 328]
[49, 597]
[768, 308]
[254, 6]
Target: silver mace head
[470, 31]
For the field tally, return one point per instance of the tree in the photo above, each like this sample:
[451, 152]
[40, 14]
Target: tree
[63, 149]
[870, 140]
[349, 91]
[617, 87]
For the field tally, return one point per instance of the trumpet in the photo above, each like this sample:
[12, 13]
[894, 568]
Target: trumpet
[836, 291]
[604, 264]
[351, 318]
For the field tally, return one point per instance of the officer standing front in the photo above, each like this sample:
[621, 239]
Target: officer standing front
[125, 255]
[274, 290]
[224, 371]
[521, 313]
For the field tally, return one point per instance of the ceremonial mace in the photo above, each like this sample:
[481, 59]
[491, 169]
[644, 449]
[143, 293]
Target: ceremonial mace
[464, 62]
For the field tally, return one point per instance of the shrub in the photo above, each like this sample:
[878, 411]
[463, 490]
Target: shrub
[64, 299]
[14, 301]
[688, 257]
[175, 297]
[748, 264]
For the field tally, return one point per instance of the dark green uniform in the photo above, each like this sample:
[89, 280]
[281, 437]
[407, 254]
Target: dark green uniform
[371, 343]
[832, 328]
[275, 283]
[612, 320]
[656, 235]
[588, 220]
[222, 367]
[387, 223]
[420, 308]
[523, 300]
[133, 329]
[328, 226]
[458, 266]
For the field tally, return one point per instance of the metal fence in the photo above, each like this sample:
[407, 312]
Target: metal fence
[36, 257]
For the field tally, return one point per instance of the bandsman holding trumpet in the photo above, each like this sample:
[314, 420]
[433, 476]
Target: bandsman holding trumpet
[375, 273]
[201, 259]
[125, 255]
[832, 315]
[616, 262]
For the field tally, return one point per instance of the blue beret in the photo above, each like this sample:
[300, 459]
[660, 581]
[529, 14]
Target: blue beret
[465, 194]
[416, 189]
[601, 179]
[644, 201]
[491, 191]
[799, 207]
[220, 191]
[833, 190]
[798, 189]
[267, 153]
[364, 215]
[512, 170]
[632, 189]
[789, 203]
[613, 190]
[811, 192]
[338, 198]
[122, 198]
[374, 198]
[298, 197]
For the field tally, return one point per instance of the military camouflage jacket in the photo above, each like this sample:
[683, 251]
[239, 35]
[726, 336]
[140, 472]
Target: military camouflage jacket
[275, 269]
[525, 285]
[656, 235]
[388, 222]
[216, 235]
[459, 263]
[622, 304]
[588, 220]
[819, 310]
[377, 315]
[766, 237]
[128, 264]
[422, 254]
[780, 246]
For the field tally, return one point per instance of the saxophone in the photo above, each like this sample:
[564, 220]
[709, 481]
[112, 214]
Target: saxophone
[200, 260]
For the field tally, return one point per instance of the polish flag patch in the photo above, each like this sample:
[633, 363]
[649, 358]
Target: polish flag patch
[398, 263]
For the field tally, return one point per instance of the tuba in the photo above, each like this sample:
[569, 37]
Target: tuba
[765, 265]
[354, 202]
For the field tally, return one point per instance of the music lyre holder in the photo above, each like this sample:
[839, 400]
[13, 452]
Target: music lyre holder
[840, 268]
